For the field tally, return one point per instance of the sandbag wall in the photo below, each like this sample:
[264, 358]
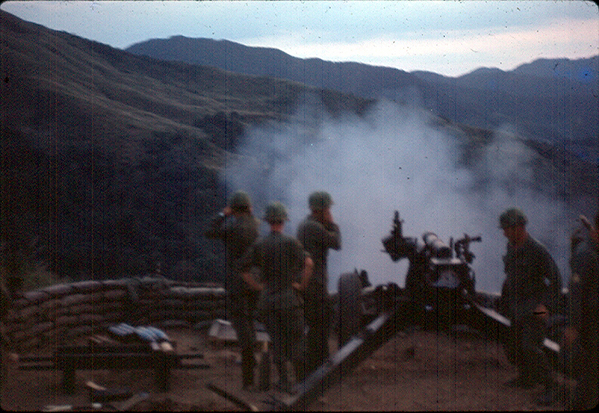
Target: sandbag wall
[57, 314]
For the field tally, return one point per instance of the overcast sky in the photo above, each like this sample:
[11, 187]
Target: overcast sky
[447, 37]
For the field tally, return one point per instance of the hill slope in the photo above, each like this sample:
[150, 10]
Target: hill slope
[556, 99]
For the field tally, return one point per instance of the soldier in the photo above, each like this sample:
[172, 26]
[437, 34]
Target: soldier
[581, 336]
[236, 226]
[318, 233]
[286, 269]
[530, 292]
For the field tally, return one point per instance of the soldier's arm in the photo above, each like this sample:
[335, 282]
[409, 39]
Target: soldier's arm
[217, 227]
[334, 235]
[315, 233]
[548, 274]
[306, 274]
[251, 281]
[584, 288]
[246, 263]
[326, 234]
[574, 309]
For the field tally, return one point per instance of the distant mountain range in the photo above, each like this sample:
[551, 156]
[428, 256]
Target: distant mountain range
[548, 99]
[111, 160]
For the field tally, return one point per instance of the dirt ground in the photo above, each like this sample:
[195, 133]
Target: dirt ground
[416, 371]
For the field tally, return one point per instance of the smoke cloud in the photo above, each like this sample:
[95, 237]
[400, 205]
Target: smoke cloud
[397, 157]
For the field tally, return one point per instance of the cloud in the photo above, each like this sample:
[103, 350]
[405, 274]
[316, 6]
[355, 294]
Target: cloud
[396, 159]
[451, 51]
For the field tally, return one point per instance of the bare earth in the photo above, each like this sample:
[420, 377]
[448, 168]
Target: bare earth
[419, 371]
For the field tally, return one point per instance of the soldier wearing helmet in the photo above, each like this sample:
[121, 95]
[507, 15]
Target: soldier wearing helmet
[236, 226]
[285, 270]
[529, 294]
[318, 233]
[581, 337]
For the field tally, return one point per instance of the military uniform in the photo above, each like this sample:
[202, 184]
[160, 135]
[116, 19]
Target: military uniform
[281, 259]
[238, 232]
[532, 278]
[317, 238]
[584, 317]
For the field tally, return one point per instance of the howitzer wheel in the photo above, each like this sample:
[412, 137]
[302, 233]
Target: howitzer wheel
[349, 317]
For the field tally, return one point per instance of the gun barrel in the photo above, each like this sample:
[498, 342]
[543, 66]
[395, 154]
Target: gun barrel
[436, 245]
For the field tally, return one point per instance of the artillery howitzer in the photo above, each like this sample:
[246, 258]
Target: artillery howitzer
[439, 293]
[439, 283]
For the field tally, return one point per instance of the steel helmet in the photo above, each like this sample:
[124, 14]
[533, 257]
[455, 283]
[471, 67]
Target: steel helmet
[320, 200]
[275, 212]
[240, 201]
[512, 217]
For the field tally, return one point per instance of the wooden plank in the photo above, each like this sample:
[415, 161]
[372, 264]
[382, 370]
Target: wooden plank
[233, 398]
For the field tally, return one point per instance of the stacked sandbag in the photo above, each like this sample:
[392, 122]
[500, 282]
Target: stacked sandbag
[92, 306]
[190, 305]
[26, 322]
[53, 315]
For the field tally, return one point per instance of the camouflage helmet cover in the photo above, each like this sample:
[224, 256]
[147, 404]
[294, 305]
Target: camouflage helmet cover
[275, 212]
[320, 200]
[512, 217]
[240, 200]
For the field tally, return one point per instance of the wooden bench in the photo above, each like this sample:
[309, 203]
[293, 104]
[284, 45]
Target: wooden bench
[69, 359]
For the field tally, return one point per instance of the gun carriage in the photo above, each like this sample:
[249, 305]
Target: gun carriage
[438, 288]
[439, 294]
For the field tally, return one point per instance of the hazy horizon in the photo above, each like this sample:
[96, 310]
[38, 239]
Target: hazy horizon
[450, 38]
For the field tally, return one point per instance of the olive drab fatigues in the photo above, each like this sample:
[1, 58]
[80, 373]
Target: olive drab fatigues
[317, 240]
[532, 278]
[583, 314]
[238, 233]
[281, 259]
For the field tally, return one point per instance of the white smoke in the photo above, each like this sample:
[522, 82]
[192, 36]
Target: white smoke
[394, 158]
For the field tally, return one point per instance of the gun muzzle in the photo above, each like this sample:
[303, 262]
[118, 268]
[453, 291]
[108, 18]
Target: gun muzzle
[438, 248]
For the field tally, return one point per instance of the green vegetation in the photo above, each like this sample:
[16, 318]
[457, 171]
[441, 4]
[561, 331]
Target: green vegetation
[92, 217]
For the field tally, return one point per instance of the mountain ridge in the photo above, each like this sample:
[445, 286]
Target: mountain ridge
[562, 111]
